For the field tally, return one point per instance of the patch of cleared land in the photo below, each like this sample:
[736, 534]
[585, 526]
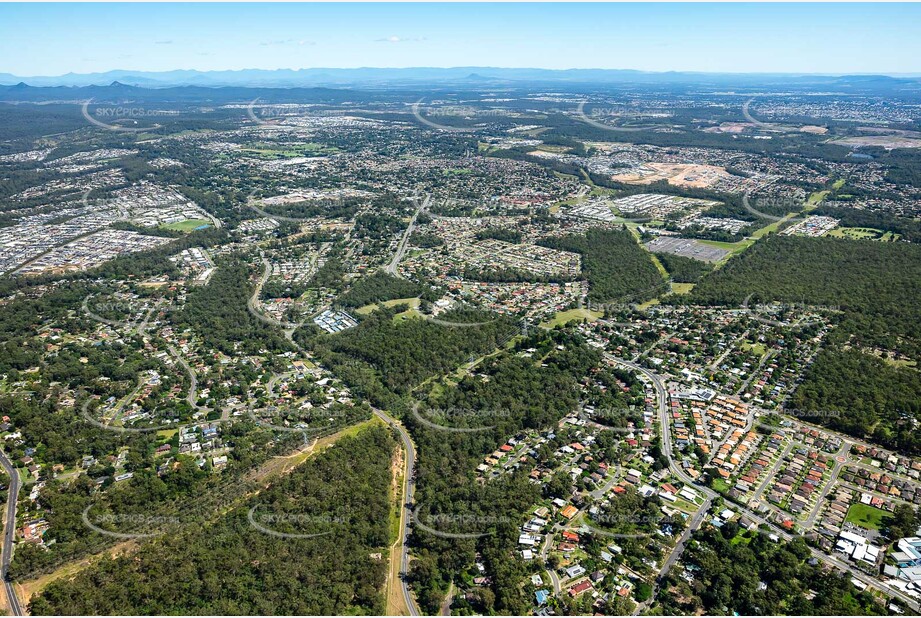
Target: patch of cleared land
[562, 317]
[682, 288]
[678, 174]
[412, 302]
[889, 142]
[864, 233]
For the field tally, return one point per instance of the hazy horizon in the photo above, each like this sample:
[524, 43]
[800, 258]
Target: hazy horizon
[422, 67]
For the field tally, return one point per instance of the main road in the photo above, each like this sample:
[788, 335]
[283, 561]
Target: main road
[9, 533]
[406, 514]
[404, 242]
[664, 426]
[662, 401]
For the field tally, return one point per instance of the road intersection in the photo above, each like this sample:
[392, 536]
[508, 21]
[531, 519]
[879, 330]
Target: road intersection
[667, 449]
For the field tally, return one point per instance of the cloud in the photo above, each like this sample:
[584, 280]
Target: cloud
[167, 42]
[400, 39]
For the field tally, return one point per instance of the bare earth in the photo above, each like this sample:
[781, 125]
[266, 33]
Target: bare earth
[678, 174]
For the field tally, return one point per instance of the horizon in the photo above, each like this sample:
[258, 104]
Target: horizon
[56, 40]
[478, 67]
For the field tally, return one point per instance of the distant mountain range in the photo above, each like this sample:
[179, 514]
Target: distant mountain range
[457, 76]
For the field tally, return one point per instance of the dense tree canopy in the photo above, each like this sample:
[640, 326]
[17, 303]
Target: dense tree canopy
[232, 567]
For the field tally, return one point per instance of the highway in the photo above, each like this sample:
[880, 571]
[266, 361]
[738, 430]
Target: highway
[9, 533]
[407, 516]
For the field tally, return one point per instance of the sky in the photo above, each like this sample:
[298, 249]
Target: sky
[54, 39]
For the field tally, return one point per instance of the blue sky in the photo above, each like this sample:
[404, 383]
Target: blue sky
[52, 39]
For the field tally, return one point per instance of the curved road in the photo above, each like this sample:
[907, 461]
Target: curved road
[662, 401]
[9, 533]
[192, 397]
[253, 302]
[752, 119]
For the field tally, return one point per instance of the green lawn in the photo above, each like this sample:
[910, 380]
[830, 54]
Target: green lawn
[815, 199]
[562, 317]
[185, 226]
[756, 348]
[733, 247]
[682, 288]
[772, 227]
[267, 151]
[655, 260]
[412, 302]
[410, 314]
[743, 537]
[720, 485]
[856, 233]
[866, 516]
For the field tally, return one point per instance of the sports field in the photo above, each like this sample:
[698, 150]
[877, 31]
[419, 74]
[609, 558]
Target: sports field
[186, 226]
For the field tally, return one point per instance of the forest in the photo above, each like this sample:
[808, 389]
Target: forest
[683, 269]
[499, 233]
[218, 312]
[864, 396]
[616, 267]
[383, 356]
[875, 285]
[232, 567]
[379, 287]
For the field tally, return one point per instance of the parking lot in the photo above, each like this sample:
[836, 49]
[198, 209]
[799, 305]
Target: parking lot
[687, 248]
